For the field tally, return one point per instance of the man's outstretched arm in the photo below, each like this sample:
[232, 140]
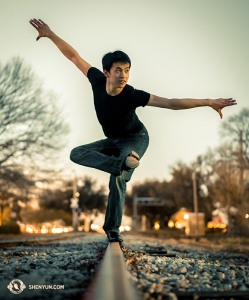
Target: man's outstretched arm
[216, 104]
[44, 31]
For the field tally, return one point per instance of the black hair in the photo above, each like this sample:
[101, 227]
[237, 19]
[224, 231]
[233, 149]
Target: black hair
[112, 57]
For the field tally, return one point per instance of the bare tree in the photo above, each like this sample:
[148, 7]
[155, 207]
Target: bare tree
[32, 127]
[222, 175]
[236, 131]
[223, 183]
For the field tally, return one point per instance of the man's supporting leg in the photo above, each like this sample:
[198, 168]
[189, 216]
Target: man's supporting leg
[116, 199]
[117, 185]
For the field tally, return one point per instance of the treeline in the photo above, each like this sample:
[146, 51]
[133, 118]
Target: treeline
[55, 202]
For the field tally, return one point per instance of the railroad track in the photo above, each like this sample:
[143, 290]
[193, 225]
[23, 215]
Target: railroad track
[113, 283]
[120, 269]
[112, 280]
[36, 239]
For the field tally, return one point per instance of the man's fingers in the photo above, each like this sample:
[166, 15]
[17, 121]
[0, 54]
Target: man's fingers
[223, 102]
[230, 101]
[220, 113]
[41, 21]
[36, 23]
[33, 24]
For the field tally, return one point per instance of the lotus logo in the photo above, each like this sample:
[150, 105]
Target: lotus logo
[16, 286]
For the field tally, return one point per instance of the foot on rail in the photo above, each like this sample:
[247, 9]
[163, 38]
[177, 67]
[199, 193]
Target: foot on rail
[114, 237]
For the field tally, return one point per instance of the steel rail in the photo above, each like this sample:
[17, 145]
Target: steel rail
[112, 280]
[38, 239]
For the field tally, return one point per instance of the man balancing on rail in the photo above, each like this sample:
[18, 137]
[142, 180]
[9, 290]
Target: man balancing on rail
[126, 137]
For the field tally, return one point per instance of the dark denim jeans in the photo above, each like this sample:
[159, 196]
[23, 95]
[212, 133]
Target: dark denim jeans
[108, 155]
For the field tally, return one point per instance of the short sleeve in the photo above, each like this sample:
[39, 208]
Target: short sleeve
[95, 76]
[140, 98]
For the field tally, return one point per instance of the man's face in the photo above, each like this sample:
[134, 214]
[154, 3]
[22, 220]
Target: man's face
[118, 75]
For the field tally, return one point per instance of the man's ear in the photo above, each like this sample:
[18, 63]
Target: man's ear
[106, 73]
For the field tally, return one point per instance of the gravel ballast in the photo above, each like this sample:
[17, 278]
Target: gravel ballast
[64, 269]
[186, 270]
[57, 270]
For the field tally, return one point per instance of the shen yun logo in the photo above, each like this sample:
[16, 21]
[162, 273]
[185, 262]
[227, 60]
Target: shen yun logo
[16, 286]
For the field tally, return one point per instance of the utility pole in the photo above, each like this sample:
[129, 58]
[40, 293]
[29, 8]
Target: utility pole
[134, 213]
[75, 205]
[195, 204]
[1, 213]
[242, 165]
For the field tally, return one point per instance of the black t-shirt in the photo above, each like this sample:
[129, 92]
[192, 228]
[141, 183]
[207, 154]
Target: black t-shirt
[116, 114]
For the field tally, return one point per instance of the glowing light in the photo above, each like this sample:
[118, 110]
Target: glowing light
[97, 228]
[44, 230]
[171, 224]
[247, 216]
[29, 229]
[187, 230]
[69, 229]
[127, 228]
[186, 217]
[121, 229]
[157, 225]
[216, 225]
[77, 194]
[80, 228]
[210, 224]
[222, 225]
[57, 230]
[178, 225]
[94, 226]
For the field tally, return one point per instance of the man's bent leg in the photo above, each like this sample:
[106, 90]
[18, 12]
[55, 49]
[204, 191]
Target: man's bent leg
[102, 155]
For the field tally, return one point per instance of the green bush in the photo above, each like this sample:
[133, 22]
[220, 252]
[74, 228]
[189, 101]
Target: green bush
[11, 228]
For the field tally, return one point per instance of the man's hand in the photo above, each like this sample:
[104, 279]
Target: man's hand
[41, 27]
[219, 104]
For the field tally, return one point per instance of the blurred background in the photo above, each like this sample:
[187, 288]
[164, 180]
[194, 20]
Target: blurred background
[195, 162]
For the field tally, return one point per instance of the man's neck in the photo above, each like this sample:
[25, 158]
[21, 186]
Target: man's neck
[112, 91]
